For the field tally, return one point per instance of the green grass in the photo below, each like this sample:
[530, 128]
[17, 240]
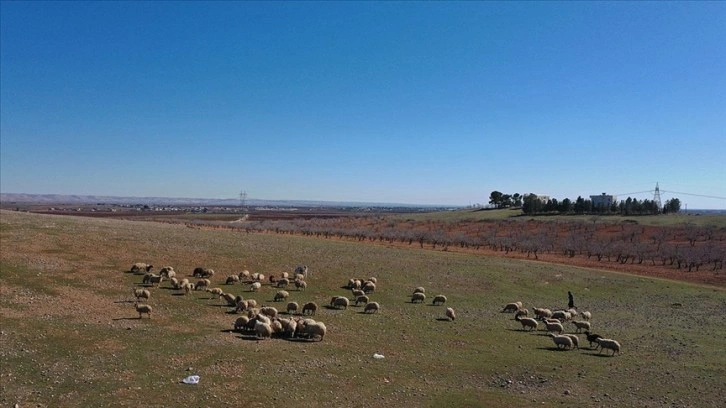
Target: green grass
[74, 339]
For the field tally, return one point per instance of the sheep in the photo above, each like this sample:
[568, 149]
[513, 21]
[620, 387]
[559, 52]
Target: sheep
[289, 326]
[542, 313]
[362, 299]
[551, 327]
[562, 342]
[142, 293]
[260, 317]
[572, 311]
[439, 300]
[581, 325]
[167, 272]
[302, 270]
[174, 282]
[310, 308]
[202, 284]
[282, 283]
[357, 293]
[142, 308]
[528, 323]
[353, 284]
[244, 275]
[251, 303]
[200, 272]
[241, 306]
[141, 267]
[276, 327]
[269, 311]
[281, 295]
[314, 330]
[369, 287]
[186, 287]
[575, 340]
[231, 280]
[450, 313]
[230, 299]
[372, 307]
[299, 276]
[241, 322]
[216, 291]
[147, 278]
[340, 301]
[609, 344]
[300, 284]
[592, 337]
[255, 286]
[512, 307]
[561, 315]
[292, 307]
[520, 313]
[418, 297]
[419, 289]
[586, 315]
[263, 330]
[152, 279]
[285, 275]
[272, 279]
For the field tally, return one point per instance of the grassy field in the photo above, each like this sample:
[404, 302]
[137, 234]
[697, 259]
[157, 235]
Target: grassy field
[71, 337]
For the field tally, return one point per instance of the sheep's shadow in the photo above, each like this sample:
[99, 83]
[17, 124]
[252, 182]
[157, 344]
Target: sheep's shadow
[298, 340]
[443, 319]
[225, 305]
[228, 331]
[126, 318]
[331, 307]
[178, 294]
[250, 337]
[553, 349]
[599, 355]
[125, 301]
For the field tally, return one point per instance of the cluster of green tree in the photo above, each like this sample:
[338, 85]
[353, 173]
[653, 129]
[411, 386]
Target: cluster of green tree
[532, 204]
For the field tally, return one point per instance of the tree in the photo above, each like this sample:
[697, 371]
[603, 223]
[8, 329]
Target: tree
[672, 206]
[495, 198]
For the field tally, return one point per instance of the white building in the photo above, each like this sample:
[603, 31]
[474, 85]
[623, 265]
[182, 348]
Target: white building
[603, 200]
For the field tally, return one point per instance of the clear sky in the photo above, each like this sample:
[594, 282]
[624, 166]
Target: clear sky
[410, 102]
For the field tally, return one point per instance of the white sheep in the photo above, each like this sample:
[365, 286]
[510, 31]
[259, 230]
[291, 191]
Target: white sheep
[255, 286]
[372, 307]
[202, 284]
[300, 284]
[142, 293]
[314, 330]
[282, 283]
[231, 280]
[167, 272]
[340, 301]
[520, 313]
[244, 275]
[439, 300]
[292, 307]
[560, 341]
[281, 295]
[362, 299]
[369, 287]
[529, 323]
[419, 289]
[542, 313]
[230, 299]
[241, 305]
[241, 322]
[609, 344]
[373, 279]
[143, 308]
[276, 327]
[586, 315]
[575, 340]
[512, 307]
[552, 326]
[141, 267]
[450, 313]
[310, 308]
[216, 291]
[581, 325]
[263, 330]
[357, 292]
[269, 311]
[561, 315]
[288, 327]
[418, 297]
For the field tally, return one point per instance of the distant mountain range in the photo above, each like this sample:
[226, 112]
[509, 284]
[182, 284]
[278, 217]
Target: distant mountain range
[7, 198]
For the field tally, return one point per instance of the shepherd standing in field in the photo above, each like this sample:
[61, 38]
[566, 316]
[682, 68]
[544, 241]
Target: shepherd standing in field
[570, 300]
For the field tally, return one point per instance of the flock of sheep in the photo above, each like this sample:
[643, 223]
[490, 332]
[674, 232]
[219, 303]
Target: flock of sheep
[554, 322]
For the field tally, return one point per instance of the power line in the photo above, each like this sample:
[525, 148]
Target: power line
[695, 195]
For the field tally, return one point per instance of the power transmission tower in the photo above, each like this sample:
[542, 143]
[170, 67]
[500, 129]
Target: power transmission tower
[242, 198]
[656, 197]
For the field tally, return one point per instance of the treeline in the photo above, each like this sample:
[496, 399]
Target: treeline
[533, 204]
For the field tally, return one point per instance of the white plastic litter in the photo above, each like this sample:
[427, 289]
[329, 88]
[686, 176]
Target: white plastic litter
[192, 379]
[378, 356]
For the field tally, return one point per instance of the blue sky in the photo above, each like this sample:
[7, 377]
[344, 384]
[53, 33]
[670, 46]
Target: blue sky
[410, 102]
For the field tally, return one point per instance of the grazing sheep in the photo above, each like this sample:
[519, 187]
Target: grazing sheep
[241, 322]
[263, 330]
[581, 325]
[174, 282]
[314, 330]
[255, 286]
[276, 327]
[289, 326]
[202, 284]
[373, 279]
[272, 279]
[282, 283]
[244, 275]
[512, 307]
[354, 283]
[141, 267]
[528, 323]
[216, 291]
[357, 293]
[609, 344]
[520, 313]
[340, 301]
[419, 289]
[186, 287]
[310, 308]
[143, 308]
[418, 297]
[592, 338]
[292, 307]
[241, 306]
[439, 300]
[542, 313]
[561, 315]
[167, 272]
[230, 299]
[361, 299]
[372, 307]
[450, 313]
[562, 342]
[251, 303]
[200, 272]
[142, 293]
[285, 275]
[575, 340]
[369, 287]
[300, 284]
[551, 327]
[231, 280]
[586, 315]
[151, 279]
[269, 311]
[281, 295]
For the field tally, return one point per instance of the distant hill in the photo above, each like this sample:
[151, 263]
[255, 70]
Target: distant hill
[8, 198]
